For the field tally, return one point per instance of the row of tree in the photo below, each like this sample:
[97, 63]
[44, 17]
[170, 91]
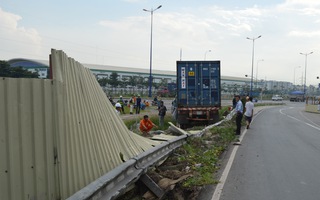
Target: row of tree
[133, 81]
[15, 72]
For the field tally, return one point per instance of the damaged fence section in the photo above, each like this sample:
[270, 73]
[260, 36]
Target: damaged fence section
[58, 135]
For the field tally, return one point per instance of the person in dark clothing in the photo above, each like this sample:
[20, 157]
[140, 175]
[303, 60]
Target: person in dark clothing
[155, 101]
[138, 105]
[162, 112]
[234, 102]
[239, 114]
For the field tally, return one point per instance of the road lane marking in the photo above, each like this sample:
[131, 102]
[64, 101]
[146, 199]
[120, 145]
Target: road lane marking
[308, 119]
[281, 111]
[218, 191]
[313, 126]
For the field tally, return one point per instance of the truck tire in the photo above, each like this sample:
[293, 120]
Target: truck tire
[183, 121]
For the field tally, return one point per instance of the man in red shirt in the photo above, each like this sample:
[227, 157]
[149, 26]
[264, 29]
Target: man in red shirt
[146, 125]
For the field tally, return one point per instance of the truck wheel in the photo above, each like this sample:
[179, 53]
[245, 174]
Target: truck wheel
[183, 121]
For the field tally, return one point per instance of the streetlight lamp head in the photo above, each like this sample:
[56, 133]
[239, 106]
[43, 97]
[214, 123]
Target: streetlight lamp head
[159, 6]
[144, 9]
[259, 36]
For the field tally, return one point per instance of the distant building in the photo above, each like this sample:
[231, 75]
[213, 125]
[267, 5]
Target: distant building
[39, 66]
[100, 71]
[104, 71]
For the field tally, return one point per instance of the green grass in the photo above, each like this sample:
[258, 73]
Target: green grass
[203, 158]
[201, 154]
[127, 110]
[131, 123]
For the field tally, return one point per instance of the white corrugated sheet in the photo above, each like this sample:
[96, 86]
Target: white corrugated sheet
[57, 136]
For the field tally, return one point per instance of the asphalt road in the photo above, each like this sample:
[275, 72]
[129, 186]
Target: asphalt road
[279, 157]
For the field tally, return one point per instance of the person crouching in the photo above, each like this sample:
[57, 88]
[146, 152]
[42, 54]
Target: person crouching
[146, 125]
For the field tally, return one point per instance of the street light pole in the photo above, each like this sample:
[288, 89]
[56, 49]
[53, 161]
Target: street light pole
[253, 39]
[257, 72]
[294, 76]
[205, 54]
[305, 73]
[150, 77]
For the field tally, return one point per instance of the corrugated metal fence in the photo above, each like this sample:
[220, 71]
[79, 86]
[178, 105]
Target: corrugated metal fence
[59, 135]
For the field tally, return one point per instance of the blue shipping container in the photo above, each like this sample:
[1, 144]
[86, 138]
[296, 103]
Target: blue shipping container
[198, 84]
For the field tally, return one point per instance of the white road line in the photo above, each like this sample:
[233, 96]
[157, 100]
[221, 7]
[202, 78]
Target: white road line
[281, 111]
[316, 125]
[218, 191]
[313, 126]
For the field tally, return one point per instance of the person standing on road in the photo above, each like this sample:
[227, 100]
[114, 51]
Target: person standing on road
[249, 111]
[234, 102]
[162, 112]
[146, 125]
[239, 114]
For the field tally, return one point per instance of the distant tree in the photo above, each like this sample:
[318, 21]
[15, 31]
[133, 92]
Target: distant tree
[113, 80]
[132, 80]
[224, 87]
[15, 72]
[124, 82]
[163, 82]
[234, 88]
[103, 82]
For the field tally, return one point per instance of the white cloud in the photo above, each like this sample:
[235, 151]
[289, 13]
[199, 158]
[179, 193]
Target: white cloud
[305, 33]
[303, 2]
[193, 31]
[18, 38]
[286, 30]
[302, 7]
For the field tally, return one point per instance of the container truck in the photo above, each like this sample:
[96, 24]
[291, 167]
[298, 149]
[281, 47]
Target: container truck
[296, 96]
[198, 93]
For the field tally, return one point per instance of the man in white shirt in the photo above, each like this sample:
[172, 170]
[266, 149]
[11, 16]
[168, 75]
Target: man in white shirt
[249, 111]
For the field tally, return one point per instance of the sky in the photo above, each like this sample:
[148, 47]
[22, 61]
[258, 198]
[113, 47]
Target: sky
[117, 33]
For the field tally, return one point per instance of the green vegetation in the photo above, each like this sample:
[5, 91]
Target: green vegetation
[15, 72]
[202, 154]
[132, 123]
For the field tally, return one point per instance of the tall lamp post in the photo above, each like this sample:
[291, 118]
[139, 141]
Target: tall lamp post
[305, 73]
[150, 78]
[294, 76]
[205, 54]
[257, 72]
[253, 39]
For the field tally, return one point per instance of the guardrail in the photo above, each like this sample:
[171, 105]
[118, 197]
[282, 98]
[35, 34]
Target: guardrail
[115, 182]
